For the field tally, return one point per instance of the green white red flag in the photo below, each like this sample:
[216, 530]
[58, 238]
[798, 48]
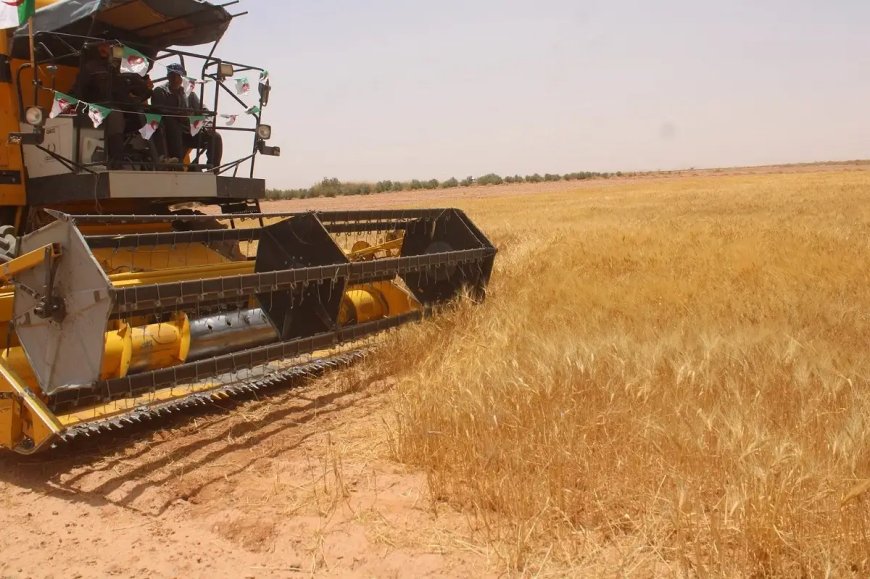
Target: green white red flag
[98, 114]
[196, 124]
[15, 13]
[133, 61]
[243, 86]
[62, 104]
[189, 85]
[152, 123]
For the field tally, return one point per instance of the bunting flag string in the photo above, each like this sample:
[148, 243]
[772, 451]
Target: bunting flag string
[190, 84]
[196, 124]
[152, 123]
[243, 86]
[63, 104]
[133, 61]
[98, 114]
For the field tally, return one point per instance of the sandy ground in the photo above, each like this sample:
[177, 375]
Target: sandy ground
[298, 484]
[295, 485]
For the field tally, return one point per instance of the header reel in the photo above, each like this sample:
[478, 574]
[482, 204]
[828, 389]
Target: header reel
[126, 324]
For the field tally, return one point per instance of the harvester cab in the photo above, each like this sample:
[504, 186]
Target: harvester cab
[117, 117]
[137, 282]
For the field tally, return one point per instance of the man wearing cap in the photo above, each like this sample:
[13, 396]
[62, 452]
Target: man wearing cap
[172, 99]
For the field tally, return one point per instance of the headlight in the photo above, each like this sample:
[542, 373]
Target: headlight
[226, 70]
[34, 116]
[264, 132]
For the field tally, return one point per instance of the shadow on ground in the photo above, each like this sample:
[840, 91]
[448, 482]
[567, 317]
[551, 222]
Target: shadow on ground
[118, 468]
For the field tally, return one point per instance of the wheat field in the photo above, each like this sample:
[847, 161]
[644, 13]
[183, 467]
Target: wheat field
[669, 377]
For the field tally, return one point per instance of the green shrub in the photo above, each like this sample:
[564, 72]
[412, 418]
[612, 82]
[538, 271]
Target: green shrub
[383, 186]
[490, 179]
[332, 187]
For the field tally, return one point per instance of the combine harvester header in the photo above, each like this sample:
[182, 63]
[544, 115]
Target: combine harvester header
[123, 301]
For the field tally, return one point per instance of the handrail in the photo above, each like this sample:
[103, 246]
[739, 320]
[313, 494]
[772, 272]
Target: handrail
[210, 68]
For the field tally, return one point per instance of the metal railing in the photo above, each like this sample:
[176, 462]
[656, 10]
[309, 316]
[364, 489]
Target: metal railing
[213, 71]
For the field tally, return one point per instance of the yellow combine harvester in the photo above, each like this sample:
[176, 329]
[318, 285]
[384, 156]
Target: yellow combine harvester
[136, 284]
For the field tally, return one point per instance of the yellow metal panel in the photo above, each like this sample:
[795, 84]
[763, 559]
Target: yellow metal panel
[37, 421]
[10, 155]
[27, 261]
[161, 345]
[160, 257]
[181, 274]
[367, 306]
[362, 250]
[399, 301]
[10, 421]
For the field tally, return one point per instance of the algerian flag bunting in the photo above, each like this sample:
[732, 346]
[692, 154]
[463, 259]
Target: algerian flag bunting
[264, 75]
[133, 61]
[196, 124]
[231, 119]
[152, 123]
[243, 86]
[14, 13]
[62, 104]
[98, 114]
[255, 110]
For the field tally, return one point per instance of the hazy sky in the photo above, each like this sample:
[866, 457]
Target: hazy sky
[393, 89]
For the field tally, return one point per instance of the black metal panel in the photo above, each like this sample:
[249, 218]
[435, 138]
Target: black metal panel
[301, 242]
[167, 297]
[327, 218]
[450, 231]
[10, 177]
[366, 226]
[67, 188]
[177, 23]
[206, 236]
[72, 187]
[5, 69]
[241, 188]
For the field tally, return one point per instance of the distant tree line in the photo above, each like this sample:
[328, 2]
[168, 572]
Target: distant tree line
[335, 188]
